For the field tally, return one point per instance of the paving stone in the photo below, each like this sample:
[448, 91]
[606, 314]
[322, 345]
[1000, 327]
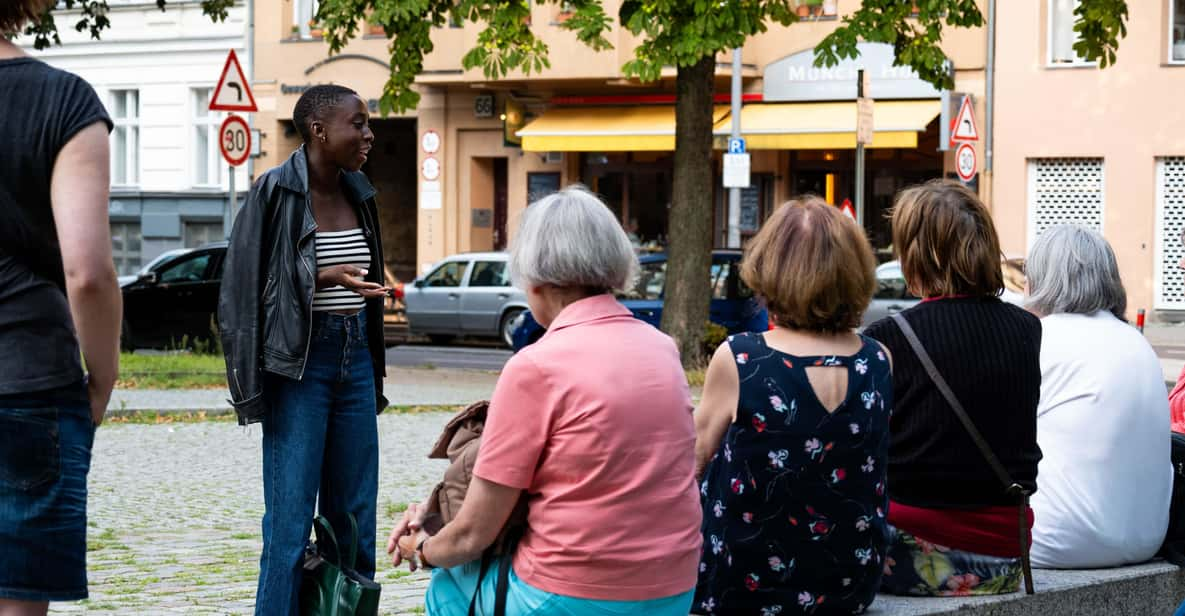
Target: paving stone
[175, 509]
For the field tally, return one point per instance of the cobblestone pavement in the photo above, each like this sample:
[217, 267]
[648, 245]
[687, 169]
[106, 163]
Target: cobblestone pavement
[174, 515]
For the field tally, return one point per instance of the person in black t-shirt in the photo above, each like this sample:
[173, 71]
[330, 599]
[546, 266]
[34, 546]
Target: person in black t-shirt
[59, 300]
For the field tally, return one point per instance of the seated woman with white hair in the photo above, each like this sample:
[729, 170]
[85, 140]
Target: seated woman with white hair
[593, 423]
[1105, 480]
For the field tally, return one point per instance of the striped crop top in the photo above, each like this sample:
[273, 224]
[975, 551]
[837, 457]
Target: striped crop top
[337, 248]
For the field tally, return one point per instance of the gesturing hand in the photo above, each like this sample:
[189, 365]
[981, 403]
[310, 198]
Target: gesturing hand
[350, 277]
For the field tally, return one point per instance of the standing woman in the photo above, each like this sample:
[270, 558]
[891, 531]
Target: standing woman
[300, 315]
[58, 300]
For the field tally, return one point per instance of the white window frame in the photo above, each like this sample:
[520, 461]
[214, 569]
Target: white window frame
[1173, 4]
[303, 12]
[1031, 193]
[202, 117]
[128, 125]
[1049, 27]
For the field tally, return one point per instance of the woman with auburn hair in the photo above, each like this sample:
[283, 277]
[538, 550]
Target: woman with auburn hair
[59, 302]
[949, 506]
[793, 428]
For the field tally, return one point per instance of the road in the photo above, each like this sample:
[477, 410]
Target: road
[485, 357]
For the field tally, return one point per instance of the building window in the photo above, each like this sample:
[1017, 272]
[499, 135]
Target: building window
[199, 234]
[125, 137]
[1061, 33]
[304, 18]
[125, 247]
[1176, 30]
[1170, 233]
[1065, 191]
[207, 159]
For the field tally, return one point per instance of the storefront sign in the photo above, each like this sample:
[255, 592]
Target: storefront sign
[796, 78]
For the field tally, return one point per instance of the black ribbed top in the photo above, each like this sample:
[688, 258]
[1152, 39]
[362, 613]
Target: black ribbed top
[990, 354]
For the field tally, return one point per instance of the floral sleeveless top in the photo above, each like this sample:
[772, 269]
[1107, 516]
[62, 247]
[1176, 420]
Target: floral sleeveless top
[794, 500]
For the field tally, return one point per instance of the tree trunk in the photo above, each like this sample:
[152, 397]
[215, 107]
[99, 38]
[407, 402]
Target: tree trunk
[689, 252]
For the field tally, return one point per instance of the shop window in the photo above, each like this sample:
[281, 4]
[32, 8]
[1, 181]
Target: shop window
[1065, 191]
[1177, 31]
[125, 247]
[125, 137]
[1170, 233]
[1061, 34]
[202, 233]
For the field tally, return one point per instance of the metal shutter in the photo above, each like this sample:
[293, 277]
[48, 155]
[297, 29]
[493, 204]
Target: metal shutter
[1170, 221]
[1065, 191]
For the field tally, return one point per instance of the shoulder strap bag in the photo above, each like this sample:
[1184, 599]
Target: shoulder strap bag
[1011, 487]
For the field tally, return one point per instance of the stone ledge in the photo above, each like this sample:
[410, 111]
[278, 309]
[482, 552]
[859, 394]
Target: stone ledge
[1150, 589]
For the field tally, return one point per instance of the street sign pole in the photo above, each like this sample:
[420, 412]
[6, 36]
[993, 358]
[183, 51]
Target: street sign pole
[230, 203]
[860, 93]
[734, 194]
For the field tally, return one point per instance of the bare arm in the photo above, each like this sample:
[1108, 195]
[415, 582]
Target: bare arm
[485, 510]
[79, 191]
[717, 407]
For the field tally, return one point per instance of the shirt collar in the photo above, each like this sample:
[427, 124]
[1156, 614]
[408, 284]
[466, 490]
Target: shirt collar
[593, 308]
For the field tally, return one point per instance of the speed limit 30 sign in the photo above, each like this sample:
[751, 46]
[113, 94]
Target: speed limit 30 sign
[965, 163]
[234, 139]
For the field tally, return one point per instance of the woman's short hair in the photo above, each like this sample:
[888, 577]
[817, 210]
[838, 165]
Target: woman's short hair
[813, 266]
[15, 14]
[946, 241]
[314, 103]
[1073, 270]
[571, 239]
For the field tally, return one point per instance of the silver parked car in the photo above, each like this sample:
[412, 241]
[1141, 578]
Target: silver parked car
[891, 296]
[465, 295]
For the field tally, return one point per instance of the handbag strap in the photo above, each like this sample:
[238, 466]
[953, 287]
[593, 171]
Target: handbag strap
[1011, 487]
[352, 554]
[326, 538]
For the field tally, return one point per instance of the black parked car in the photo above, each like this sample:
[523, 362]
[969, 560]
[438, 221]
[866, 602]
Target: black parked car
[175, 303]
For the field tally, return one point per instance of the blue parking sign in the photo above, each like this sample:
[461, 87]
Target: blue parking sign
[736, 145]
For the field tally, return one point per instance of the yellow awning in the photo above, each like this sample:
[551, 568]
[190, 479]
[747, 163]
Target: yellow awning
[827, 126]
[632, 128]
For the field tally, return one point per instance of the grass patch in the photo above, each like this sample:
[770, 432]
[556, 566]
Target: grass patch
[157, 417]
[171, 371]
[695, 376]
[394, 509]
[413, 409]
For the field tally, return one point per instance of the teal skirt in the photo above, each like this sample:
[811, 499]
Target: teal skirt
[451, 590]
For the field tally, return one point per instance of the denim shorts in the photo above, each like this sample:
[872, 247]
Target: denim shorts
[45, 453]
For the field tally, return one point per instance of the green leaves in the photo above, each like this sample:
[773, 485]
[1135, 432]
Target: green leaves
[1099, 25]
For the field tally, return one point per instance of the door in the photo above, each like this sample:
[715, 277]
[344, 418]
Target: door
[484, 296]
[645, 298]
[434, 303]
[499, 204]
[725, 308]
[178, 305]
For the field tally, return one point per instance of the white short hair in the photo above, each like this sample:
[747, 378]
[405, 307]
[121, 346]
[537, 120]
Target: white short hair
[1073, 270]
[571, 239]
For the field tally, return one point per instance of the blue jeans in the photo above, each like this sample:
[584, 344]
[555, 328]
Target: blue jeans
[320, 447]
[45, 455]
[451, 590]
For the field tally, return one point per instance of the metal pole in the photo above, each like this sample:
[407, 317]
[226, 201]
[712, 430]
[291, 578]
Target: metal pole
[991, 87]
[230, 204]
[860, 158]
[734, 194]
[250, 82]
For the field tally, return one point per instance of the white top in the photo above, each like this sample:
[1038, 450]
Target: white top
[337, 248]
[1105, 481]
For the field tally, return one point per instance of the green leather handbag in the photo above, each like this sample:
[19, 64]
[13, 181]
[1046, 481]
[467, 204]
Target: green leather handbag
[329, 585]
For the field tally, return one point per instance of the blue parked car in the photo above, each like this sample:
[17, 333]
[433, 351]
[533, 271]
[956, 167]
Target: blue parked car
[733, 305]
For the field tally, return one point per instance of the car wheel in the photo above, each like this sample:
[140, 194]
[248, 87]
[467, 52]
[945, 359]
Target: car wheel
[509, 323]
[441, 338]
[125, 337]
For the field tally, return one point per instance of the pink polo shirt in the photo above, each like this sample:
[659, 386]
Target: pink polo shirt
[594, 422]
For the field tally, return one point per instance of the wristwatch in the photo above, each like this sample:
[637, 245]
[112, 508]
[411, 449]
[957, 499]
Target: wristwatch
[420, 555]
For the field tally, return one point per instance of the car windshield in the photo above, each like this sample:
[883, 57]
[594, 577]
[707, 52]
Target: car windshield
[652, 278]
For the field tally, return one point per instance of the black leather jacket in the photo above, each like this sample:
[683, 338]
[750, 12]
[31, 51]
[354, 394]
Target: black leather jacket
[268, 281]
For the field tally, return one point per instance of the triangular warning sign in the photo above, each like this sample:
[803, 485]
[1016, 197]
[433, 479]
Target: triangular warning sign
[233, 92]
[964, 128]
